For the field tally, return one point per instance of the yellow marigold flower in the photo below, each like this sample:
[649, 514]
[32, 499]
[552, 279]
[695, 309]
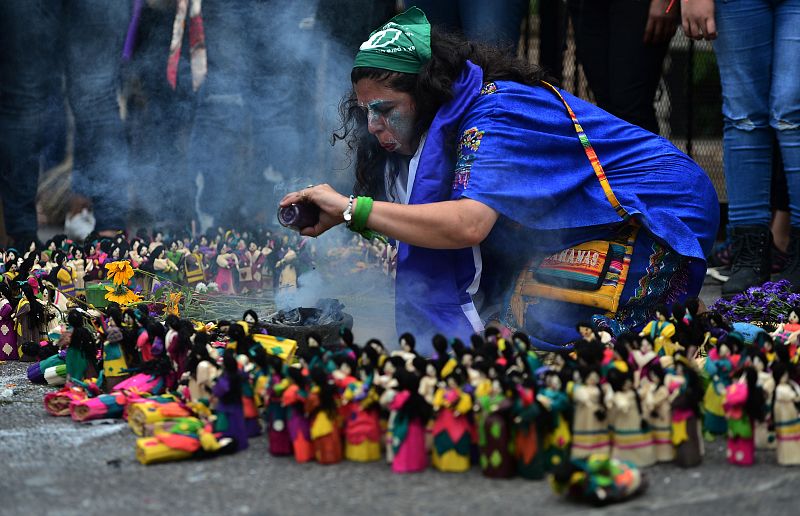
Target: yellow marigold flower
[120, 272]
[121, 295]
[171, 306]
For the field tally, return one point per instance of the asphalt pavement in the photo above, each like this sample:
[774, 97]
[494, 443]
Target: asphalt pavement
[54, 466]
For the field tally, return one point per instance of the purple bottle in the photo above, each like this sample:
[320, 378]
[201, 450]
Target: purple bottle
[298, 216]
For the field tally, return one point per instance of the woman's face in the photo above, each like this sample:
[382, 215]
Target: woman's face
[390, 115]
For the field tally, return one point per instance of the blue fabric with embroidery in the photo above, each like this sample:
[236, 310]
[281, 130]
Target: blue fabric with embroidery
[518, 153]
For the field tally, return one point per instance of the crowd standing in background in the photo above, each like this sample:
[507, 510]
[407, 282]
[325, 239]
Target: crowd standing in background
[184, 111]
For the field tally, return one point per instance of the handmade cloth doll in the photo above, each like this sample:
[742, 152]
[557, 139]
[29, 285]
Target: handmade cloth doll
[294, 399]
[227, 265]
[202, 370]
[529, 428]
[325, 425]
[115, 367]
[362, 429]
[743, 405]
[493, 420]
[9, 349]
[718, 366]
[452, 429]
[686, 393]
[785, 417]
[78, 266]
[658, 413]
[411, 413]
[763, 430]
[29, 318]
[82, 350]
[590, 422]
[630, 437]
[227, 392]
[599, 480]
[661, 331]
[556, 404]
[62, 274]
[194, 267]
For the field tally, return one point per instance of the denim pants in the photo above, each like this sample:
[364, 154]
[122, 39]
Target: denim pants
[40, 40]
[495, 22]
[254, 109]
[622, 70]
[758, 52]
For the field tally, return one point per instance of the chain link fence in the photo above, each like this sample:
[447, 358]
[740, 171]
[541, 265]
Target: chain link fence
[688, 101]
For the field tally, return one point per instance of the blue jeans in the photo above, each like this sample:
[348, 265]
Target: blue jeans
[254, 110]
[758, 52]
[33, 56]
[494, 22]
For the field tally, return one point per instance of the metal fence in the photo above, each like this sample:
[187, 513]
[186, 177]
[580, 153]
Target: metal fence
[688, 101]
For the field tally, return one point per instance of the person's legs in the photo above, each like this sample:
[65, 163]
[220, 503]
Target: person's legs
[634, 67]
[28, 70]
[495, 22]
[590, 22]
[784, 108]
[95, 32]
[553, 21]
[744, 55]
[219, 123]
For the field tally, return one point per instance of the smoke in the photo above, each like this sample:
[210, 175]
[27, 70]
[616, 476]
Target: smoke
[366, 292]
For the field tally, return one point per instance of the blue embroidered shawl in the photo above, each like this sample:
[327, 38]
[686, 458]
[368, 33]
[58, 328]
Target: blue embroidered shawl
[519, 154]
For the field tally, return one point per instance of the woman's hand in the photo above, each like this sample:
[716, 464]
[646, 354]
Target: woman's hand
[661, 24]
[330, 202]
[698, 19]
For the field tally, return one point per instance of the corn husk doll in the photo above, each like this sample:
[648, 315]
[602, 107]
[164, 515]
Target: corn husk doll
[590, 422]
[410, 416]
[631, 439]
[785, 417]
[452, 428]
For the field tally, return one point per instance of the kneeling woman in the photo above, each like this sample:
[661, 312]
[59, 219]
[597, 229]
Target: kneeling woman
[512, 200]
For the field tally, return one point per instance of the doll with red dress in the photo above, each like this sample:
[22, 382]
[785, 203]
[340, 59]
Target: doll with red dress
[294, 400]
[410, 415]
[452, 427]
[744, 405]
[322, 408]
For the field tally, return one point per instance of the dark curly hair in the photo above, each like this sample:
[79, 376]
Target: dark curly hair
[430, 89]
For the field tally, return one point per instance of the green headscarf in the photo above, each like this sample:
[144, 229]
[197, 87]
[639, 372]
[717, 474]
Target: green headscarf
[403, 44]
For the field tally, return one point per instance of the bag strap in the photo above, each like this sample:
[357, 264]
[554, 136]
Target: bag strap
[592, 155]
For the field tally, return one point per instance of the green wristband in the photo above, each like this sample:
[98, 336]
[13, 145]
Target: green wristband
[361, 214]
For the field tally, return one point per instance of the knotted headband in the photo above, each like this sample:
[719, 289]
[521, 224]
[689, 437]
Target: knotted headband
[403, 44]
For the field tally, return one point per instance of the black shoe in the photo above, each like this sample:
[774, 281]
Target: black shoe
[750, 250]
[791, 271]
